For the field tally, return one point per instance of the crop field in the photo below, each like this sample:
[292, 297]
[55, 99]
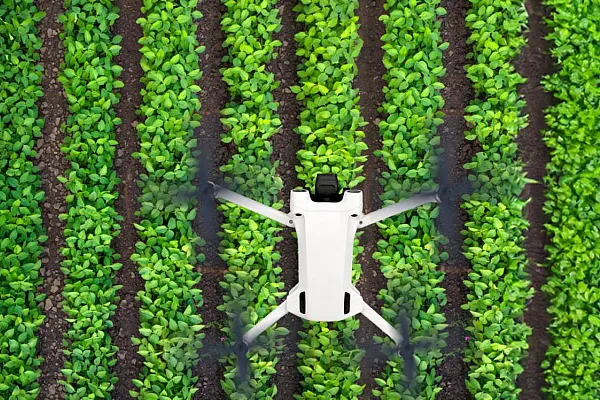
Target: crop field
[112, 285]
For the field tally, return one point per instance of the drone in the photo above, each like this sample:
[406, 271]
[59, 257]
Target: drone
[326, 222]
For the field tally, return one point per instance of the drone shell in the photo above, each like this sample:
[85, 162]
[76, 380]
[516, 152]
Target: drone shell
[326, 232]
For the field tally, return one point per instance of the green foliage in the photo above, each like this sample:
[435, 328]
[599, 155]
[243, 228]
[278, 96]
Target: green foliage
[21, 231]
[90, 79]
[408, 252]
[573, 205]
[329, 128]
[330, 121]
[498, 285]
[167, 250]
[253, 283]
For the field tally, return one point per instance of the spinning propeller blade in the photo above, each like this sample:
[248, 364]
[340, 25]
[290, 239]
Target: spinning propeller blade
[406, 349]
[204, 192]
[239, 349]
[448, 194]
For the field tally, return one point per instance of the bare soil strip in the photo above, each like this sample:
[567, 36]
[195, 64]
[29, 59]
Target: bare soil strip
[213, 98]
[534, 63]
[457, 94]
[52, 163]
[370, 84]
[285, 145]
[126, 319]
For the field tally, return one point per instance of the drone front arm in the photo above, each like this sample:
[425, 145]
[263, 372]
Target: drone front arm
[265, 323]
[398, 208]
[252, 205]
[382, 324]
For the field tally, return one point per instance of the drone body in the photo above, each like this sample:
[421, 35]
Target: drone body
[326, 223]
[326, 233]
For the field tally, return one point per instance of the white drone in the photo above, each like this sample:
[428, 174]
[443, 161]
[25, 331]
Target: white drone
[326, 223]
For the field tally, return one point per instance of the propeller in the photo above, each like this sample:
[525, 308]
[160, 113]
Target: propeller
[208, 205]
[448, 194]
[238, 348]
[204, 192]
[406, 349]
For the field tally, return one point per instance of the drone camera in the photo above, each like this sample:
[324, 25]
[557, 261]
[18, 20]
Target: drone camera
[327, 189]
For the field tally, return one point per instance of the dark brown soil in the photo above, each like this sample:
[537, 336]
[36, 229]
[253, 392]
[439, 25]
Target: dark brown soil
[126, 319]
[534, 63]
[370, 84]
[285, 145]
[52, 163]
[213, 99]
[457, 94]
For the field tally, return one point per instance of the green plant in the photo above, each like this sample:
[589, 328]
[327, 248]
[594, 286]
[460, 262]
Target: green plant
[573, 136]
[408, 251]
[498, 285]
[167, 250]
[90, 79]
[252, 283]
[330, 130]
[330, 123]
[21, 231]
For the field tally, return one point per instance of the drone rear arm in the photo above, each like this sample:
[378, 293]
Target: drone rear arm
[265, 323]
[398, 208]
[382, 324]
[252, 205]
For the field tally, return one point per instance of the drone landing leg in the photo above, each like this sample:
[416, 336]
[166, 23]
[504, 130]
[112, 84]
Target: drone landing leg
[265, 323]
[381, 323]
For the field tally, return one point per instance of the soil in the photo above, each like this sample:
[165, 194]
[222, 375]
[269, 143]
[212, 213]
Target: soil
[126, 320]
[213, 98]
[534, 63]
[370, 84]
[457, 94]
[52, 163]
[285, 145]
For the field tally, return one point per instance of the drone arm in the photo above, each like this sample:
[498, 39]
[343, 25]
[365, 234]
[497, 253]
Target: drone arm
[252, 205]
[265, 323]
[381, 323]
[398, 208]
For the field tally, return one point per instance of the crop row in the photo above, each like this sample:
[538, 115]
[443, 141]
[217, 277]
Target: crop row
[90, 80]
[253, 282]
[21, 231]
[408, 251]
[167, 251]
[498, 284]
[330, 125]
[571, 365]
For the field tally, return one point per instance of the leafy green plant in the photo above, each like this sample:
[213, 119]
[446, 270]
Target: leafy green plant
[90, 79]
[167, 250]
[21, 231]
[408, 251]
[331, 121]
[498, 285]
[573, 136]
[253, 283]
[330, 130]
